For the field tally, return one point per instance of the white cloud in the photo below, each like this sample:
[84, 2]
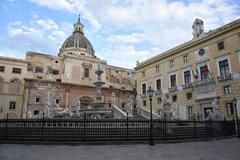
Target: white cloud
[124, 38]
[41, 35]
[124, 31]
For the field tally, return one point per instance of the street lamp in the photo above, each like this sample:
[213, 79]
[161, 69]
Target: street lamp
[234, 101]
[150, 95]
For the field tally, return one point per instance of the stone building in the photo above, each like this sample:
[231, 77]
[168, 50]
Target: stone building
[198, 77]
[62, 80]
[12, 74]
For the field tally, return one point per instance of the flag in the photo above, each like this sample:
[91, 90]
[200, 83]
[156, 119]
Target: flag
[195, 72]
[206, 68]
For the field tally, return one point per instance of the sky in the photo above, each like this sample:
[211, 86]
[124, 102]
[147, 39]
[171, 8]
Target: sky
[121, 31]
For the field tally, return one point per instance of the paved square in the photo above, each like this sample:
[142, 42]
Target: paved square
[227, 149]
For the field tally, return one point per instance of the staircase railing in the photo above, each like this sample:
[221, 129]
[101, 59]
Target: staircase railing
[144, 112]
[118, 113]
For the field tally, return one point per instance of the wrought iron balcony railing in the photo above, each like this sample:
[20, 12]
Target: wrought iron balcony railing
[172, 89]
[224, 77]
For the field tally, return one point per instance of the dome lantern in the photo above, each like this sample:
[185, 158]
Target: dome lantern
[78, 27]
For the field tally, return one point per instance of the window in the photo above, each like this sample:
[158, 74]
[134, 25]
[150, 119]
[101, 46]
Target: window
[144, 88]
[55, 72]
[227, 89]
[57, 101]
[86, 72]
[144, 103]
[204, 72]
[187, 77]
[16, 70]
[174, 98]
[220, 46]
[36, 112]
[229, 107]
[58, 80]
[123, 105]
[109, 105]
[185, 59]
[171, 63]
[37, 99]
[173, 80]
[116, 71]
[12, 105]
[159, 100]
[224, 68]
[143, 74]
[1, 109]
[2, 68]
[56, 61]
[158, 84]
[157, 68]
[189, 95]
[38, 70]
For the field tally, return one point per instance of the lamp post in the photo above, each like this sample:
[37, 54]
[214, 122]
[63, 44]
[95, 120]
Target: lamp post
[150, 95]
[234, 101]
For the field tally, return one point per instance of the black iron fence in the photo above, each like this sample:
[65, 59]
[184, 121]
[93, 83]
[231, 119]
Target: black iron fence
[131, 130]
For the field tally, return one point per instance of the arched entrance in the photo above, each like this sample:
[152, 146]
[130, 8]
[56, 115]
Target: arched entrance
[86, 101]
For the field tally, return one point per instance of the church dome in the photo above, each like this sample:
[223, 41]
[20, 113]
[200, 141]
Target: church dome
[77, 40]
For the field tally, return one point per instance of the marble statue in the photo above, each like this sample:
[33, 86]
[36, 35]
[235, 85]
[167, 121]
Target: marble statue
[130, 105]
[78, 106]
[59, 112]
[114, 99]
[139, 101]
[215, 115]
[24, 112]
[197, 27]
[167, 111]
[30, 115]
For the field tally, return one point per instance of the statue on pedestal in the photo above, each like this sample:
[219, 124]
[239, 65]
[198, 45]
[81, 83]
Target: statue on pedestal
[198, 29]
[215, 115]
[130, 105]
[24, 115]
[114, 99]
[78, 106]
[167, 107]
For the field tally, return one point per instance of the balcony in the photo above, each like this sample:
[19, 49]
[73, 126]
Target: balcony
[172, 89]
[158, 92]
[187, 86]
[224, 77]
[204, 82]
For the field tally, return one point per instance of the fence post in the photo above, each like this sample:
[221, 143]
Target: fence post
[42, 127]
[84, 126]
[6, 128]
[194, 125]
[127, 125]
[165, 126]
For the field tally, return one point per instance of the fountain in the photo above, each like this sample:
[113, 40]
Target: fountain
[98, 102]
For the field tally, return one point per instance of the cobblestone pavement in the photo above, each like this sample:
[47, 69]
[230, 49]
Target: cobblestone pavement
[227, 149]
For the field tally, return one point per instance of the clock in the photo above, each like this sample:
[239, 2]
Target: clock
[201, 52]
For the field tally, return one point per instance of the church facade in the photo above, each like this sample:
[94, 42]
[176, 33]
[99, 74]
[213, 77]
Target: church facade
[62, 80]
[197, 78]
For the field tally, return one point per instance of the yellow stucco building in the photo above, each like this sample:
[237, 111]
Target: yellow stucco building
[198, 77]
